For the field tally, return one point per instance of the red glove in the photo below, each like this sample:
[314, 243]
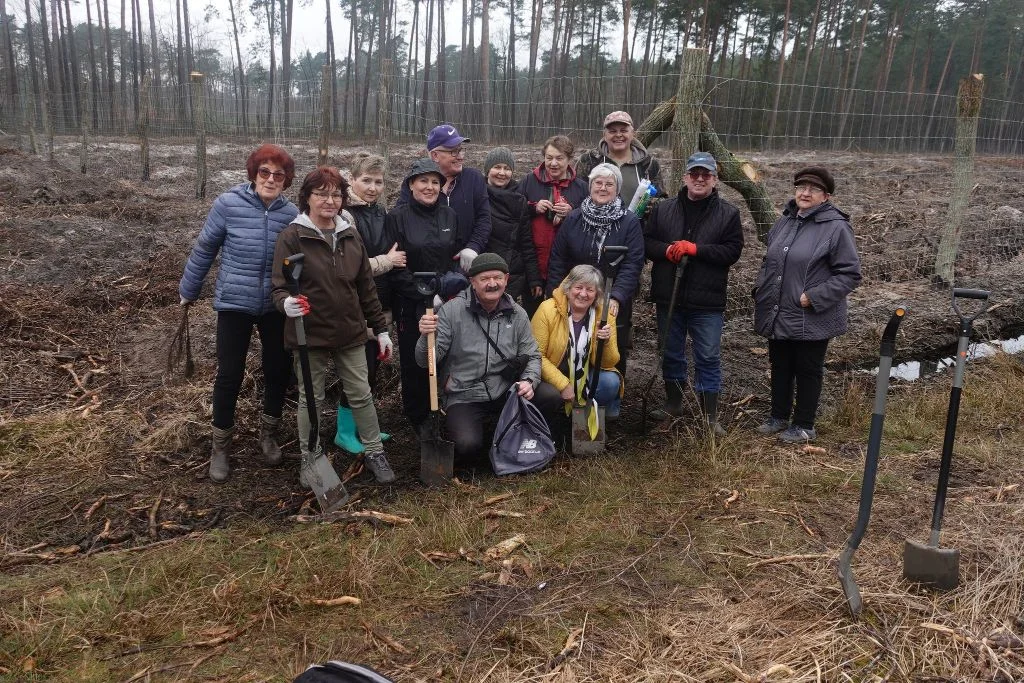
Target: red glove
[677, 250]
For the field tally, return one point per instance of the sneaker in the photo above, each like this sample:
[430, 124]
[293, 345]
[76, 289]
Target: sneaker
[772, 425]
[798, 435]
[378, 464]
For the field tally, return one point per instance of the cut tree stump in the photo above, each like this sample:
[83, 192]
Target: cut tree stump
[737, 173]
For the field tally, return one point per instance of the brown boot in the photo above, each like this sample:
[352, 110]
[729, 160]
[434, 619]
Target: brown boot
[219, 467]
[268, 440]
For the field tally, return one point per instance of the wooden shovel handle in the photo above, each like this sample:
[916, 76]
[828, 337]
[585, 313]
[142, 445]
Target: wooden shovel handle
[432, 367]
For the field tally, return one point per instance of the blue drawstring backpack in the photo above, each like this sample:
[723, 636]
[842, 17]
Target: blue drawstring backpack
[522, 440]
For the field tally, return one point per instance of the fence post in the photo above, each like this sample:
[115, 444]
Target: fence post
[199, 120]
[86, 117]
[968, 107]
[325, 114]
[686, 125]
[383, 110]
[144, 105]
[48, 124]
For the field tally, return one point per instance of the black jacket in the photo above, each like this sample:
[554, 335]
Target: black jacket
[512, 238]
[468, 198]
[369, 220]
[718, 234]
[429, 237]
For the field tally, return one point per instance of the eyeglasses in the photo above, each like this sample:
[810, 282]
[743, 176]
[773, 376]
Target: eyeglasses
[807, 187]
[265, 173]
[603, 184]
[457, 152]
[700, 175]
[324, 196]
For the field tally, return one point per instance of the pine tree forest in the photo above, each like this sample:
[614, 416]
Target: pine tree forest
[865, 74]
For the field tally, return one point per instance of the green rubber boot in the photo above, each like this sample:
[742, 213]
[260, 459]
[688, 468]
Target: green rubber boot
[346, 436]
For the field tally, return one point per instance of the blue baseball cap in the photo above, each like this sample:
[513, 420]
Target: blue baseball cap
[701, 160]
[445, 136]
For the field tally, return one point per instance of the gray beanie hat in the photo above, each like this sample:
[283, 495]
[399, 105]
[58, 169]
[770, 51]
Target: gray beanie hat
[606, 169]
[487, 261]
[499, 155]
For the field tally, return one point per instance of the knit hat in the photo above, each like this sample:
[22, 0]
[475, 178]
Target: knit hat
[606, 169]
[487, 261]
[499, 155]
[817, 176]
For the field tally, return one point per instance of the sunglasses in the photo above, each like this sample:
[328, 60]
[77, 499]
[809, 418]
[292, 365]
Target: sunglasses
[700, 175]
[265, 173]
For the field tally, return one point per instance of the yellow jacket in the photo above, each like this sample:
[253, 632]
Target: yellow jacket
[551, 329]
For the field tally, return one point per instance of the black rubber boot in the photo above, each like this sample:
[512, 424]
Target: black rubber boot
[220, 470]
[709, 406]
[673, 406]
[268, 440]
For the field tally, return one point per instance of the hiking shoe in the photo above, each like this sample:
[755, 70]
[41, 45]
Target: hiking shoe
[798, 435]
[772, 425]
[378, 464]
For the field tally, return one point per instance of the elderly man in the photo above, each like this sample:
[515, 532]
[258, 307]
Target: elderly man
[619, 147]
[464, 190]
[706, 229]
[484, 344]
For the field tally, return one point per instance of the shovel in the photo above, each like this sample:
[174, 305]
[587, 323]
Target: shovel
[663, 339]
[588, 422]
[317, 470]
[867, 486]
[437, 455]
[928, 563]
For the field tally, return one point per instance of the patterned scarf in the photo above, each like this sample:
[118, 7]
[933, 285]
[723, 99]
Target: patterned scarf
[579, 356]
[599, 220]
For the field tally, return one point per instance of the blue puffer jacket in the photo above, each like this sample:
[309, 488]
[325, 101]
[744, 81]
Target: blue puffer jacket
[244, 231]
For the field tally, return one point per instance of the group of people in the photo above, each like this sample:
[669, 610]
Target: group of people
[526, 297]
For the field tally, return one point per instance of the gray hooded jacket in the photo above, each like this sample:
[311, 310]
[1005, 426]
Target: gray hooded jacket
[816, 255]
[469, 369]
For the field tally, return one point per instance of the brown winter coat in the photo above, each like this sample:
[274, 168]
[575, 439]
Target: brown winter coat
[338, 283]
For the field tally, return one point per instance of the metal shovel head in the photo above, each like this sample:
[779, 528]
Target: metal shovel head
[582, 444]
[932, 566]
[849, 584]
[437, 460]
[318, 472]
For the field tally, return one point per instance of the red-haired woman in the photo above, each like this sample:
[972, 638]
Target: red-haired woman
[243, 225]
[338, 301]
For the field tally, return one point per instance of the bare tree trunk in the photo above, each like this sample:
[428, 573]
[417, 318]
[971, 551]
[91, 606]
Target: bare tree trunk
[938, 90]
[485, 67]
[852, 85]
[154, 46]
[111, 100]
[11, 86]
[190, 60]
[325, 116]
[366, 83]
[535, 23]
[442, 63]
[412, 67]
[144, 127]
[123, 75]
[136, 32]
[287, 7]
[199, 116]
[778, 80]
[623, 90]
[424, 112]
[243, 86]
[32, 67]
[353, 56]
[183, 87]
[690, 95]
[273, 69]
[332, 61]
[968, 105]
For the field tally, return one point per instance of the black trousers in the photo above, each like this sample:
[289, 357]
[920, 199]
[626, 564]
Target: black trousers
[234, 331]
[415, 384]
[466, 424]
[802, 363]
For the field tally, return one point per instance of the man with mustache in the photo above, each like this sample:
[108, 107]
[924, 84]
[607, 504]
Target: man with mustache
[484, 344]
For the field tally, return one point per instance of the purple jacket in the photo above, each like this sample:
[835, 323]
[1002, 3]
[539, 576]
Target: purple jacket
[816, 255]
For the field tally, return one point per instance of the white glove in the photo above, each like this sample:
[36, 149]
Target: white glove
[466, 257]
[437, 301]
[296, 306]
[385, 346]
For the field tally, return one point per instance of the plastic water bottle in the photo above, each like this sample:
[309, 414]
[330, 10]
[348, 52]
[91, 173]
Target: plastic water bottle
[642, 197]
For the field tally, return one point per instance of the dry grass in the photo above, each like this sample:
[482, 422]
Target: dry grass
[657, 562]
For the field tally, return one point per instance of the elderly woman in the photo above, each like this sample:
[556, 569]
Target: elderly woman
[338, 298]
[243, 225]
[510, 224]
[602, 221]
[427, 231]
[365, 193]
[552, 190]
[800, 299]
[567, 328]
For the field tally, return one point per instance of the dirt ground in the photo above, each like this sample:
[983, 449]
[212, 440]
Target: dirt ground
[89, 268]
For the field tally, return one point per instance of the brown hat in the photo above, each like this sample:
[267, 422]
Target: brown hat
[817, 176]
[618, 117]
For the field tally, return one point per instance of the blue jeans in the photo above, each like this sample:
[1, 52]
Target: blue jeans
[705, 331]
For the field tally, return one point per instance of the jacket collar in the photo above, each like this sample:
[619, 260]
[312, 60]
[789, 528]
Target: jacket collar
[248, 191]
[342, 224]
[826, 211]
[541, 174]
